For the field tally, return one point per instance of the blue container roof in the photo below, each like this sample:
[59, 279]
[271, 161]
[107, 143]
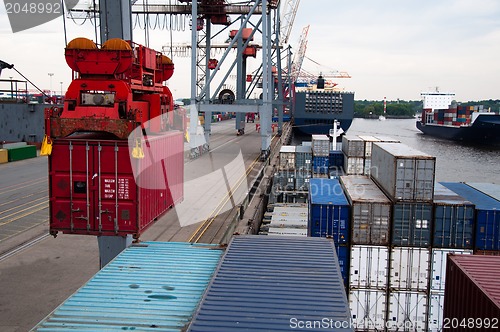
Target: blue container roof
[153, 286]
[481, 200]
[263, 283]
[326, 192]
[445, 196]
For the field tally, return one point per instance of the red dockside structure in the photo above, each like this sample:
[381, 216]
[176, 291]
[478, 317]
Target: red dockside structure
[115, 149]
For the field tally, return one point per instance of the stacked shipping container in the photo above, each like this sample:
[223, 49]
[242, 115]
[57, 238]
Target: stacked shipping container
[320, 153]
[353, 148]
[407, 178]
[329, 215]
[472, 295]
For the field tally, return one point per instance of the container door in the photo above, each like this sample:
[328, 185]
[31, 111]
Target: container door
[361, 233]
[369, 267]
[114, 192]
[407, 311]
[368, 309]
[405, 178]
[436, 305]
[381, 214]
[70, 187]
[409, 269]
[424, 179]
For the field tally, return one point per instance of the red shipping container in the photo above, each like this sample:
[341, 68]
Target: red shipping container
[472, 293]
[95, 187]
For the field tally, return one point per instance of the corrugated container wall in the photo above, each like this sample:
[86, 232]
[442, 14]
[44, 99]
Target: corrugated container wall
[368, 141]
[405, 174]
[320, 145]
[328, 210]
[472, 294]
[407, 311]
[411, 224]
[369, 267]
[336, 159]
[112, 193]
[266, 283]
[303, 159]
[454, 218]
[370, 213]
[354, 165]
[320, 164]
[353, 146]
[409, 269]
[487, 215]
[343, 252]
[287, 157]
[368, 309]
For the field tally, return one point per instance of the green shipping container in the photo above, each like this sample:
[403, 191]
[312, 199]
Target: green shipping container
[21, 153]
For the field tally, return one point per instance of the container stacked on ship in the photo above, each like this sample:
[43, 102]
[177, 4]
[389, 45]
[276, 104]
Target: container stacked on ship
[329, 215]
[406, 176]
[453, 233]
[487, 234]
[369, 250]
[291, 181]
[321, 155]
[357, 152]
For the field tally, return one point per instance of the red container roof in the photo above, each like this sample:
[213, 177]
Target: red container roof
[484, 271]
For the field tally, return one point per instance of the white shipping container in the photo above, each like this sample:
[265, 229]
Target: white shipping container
[287, 157]
[369, 267]
[435, 315]
[274, 231]
[368, 309]
[409, 269]
[290, 211]
[320, 145]
[367, 166]
[438, 266]
[354, 165]
[407, 311]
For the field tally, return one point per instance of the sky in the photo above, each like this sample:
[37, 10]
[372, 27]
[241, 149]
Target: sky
[391, 48]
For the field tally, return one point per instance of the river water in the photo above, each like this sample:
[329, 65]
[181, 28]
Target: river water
[454, 161]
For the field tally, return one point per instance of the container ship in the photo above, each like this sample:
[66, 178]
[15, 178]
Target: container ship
[445, 119]
[318, 106]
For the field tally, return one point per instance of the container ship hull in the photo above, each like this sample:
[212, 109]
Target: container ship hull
[485, 129]
[315, 111]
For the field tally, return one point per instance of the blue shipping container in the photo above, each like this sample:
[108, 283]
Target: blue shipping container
[329, 210]
[336, 159]
[320, 164]
[344, 262]
[487, 215]
[454, 218]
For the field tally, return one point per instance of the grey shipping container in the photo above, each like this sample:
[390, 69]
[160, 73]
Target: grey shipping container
[354, 165]
[411, 224]
[368, 141]
[320, 146]
[303, 158]
[453, 219]
[287, 157]
[405, 174]
[353, 146]
[472, 294]
[370, 211]
[268, 283]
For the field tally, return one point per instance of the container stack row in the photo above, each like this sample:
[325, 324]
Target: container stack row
[394, 231]
[321, 155]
